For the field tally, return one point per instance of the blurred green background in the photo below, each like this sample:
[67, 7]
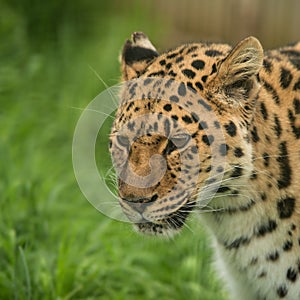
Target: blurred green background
[53, 243]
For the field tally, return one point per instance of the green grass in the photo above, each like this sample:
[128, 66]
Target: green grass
[53, 243]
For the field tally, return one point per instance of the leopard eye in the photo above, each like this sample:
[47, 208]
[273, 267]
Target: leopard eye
[123, 140]
[181, 140]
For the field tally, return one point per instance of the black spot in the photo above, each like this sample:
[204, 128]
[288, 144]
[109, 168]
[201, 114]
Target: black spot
[295, 129]
[285, 207]
[263, 111]
[131, 125]
[162, 62]
[167, 127]
[238, 152]
[237, 172]
[195, 117]
[254, 135]
[287, 246]
[208, 169]
[191, 87]
[237, 243]
[282, 291]
[272, 91]
[174, 98]
[213, 53]
[292, 53]
[273, 256]
[182, 89]
[214, 69]
[168, 66]
[291, 274]
[204, 78]
[295, 62]
[159, 74]
[187, 119]
[204, 104]
[253, 175]
[268, 227]
[223, 189]
[285, 78]
[217, 124]
[284, 166]
[198, 64]
[192, 49]
[210, 180]
[293, 56]
[230, 128]
[168, 107]
[268, 66]
[199, 85]
[266, 158]
[202, 125]
[296, 103]
[297, 85]
[220, 169]
[253, 261]
[169, 83]
[172, 55]
[277, 126]
[223, 149]
[179, 59]
[263, 196]
[172, 73]
[169, 148]
[148, 81]
[132, 89]
[194, 149]
[262, 274]
[131, 104]
[207, 139]
[189, 73]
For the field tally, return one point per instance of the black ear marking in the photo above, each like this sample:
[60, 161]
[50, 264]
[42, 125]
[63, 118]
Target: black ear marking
[132, 54]
[136, 55]
[139, 49]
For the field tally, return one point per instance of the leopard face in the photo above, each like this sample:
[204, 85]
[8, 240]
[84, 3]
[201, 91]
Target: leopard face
[181, 115]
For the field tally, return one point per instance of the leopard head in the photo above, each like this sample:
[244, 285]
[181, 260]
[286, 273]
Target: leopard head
[167, 142]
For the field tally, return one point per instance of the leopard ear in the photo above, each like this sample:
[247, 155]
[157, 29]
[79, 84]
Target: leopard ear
[244, 61]
[237, 80]
[136, 55]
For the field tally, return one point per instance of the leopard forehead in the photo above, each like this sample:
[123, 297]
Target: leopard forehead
[192, 64]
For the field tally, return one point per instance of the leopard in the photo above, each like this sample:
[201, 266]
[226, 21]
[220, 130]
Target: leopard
[214, 130]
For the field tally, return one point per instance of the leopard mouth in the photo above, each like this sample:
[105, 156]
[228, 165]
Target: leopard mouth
[168, 226]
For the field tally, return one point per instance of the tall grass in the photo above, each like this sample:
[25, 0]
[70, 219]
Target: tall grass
[53, 243]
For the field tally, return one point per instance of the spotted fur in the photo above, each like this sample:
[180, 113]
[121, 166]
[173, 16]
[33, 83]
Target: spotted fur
[251, 173]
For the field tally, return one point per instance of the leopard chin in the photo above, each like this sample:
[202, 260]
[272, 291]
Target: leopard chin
[168, 227]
